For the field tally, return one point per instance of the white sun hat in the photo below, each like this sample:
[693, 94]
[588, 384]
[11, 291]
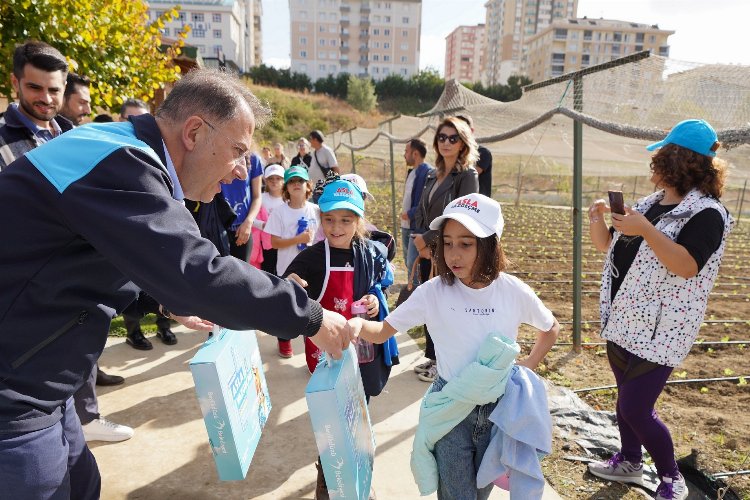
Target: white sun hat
[358, 181]
[477, 213]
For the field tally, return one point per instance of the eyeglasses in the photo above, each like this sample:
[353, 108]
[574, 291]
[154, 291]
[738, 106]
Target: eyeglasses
[453, 139]
[239, 155]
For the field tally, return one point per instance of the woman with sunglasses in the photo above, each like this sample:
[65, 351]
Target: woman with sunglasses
[454, 176]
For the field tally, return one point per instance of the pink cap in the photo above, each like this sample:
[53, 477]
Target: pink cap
[359, 307]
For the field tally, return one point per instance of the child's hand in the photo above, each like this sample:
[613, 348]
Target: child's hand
[373, 305]
[527, 363]
[355, 327]
[297, 279]
[306, 237]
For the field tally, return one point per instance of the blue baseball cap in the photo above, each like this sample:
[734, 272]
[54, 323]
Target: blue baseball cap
[695, 135]
[295, 171]
[342, 195]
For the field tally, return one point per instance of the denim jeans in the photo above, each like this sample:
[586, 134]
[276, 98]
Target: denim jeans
[411, 256]
[405, 237]
[459, 454]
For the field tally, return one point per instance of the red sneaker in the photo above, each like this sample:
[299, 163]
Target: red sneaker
[285, 349]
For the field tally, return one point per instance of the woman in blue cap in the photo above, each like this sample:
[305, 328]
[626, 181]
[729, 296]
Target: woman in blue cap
[663, 256]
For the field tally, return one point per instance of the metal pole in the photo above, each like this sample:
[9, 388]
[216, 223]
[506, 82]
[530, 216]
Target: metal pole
[577, 212]
[635, 186]
[742, 200]
[354, 163]
[395, 226]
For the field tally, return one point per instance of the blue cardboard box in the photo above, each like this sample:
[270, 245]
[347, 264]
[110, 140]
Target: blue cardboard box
[341, 424]
[233, 396]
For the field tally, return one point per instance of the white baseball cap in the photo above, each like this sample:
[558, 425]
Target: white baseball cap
[358, 181]
[273, 169]
[477, 213]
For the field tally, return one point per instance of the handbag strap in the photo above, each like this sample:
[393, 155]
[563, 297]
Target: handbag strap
[413, 273]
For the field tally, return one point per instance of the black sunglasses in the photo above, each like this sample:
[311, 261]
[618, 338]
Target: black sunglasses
[453, 139]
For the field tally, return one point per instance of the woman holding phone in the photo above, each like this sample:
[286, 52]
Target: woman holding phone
[663, 256]
[454, 176]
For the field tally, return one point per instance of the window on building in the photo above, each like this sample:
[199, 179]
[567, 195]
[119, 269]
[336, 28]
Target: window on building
[322, 67]
[387, 5]
[638, 48]
[332, 29]
[615, 49]
[218, 49]
[165, 31]
[375, 45]
[376, 19]
[375, 57]
[404, 71]
[386, 19]
[557, 69]
[386, 45]
[332, 16]
[405, 20]
[332, 68]
[333, 55]
[617, 36]
[303, 54]
[387, 32]
[639, 37]
[321, 28]
[386, 71]
[158, 13]
[561, 34]
[404, 59]
[386, 58]
[404, 33]
[652, 39]
[558, 58]
[217, 33]
[664, 51]
[587, 35]
[199, 33]
[216, 17]
[303, 14]
[322, 55]
[404, 46]
[375, 70]
[182, 16]
[201, 49]
[322, 16]
[584, 59]
[303, 40]
[375, 31]
[197, 17]
[303, 27]
[303, 67]
[322, 42]
[333, 42]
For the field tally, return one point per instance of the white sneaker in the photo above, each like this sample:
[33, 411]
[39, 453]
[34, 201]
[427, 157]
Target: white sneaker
[672, 488]
[102, 429]
[618, 469]
[424, 367]
[429, 375]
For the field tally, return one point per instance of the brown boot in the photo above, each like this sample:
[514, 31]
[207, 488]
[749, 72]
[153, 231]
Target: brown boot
[321, 490]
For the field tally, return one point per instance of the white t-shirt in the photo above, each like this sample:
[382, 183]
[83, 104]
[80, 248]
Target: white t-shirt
[270, 203]
[283, 222]
[459, 318]
[327, 158]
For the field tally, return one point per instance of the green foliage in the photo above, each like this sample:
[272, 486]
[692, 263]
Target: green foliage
[360, 93]
[110, 41]
[333, 86]
[508, 92]
[281, 78]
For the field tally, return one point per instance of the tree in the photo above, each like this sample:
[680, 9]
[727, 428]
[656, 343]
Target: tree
[360, 93]
[110, 41]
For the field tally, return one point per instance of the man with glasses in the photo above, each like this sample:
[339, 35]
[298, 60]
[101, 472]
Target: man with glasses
[95, 214]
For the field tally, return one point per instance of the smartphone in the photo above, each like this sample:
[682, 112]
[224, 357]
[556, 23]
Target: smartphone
[616, 203]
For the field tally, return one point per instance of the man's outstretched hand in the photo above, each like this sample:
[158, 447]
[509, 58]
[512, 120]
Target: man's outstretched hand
[334, 334]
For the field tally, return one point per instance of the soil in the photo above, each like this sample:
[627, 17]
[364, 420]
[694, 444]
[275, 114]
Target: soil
[708, 417]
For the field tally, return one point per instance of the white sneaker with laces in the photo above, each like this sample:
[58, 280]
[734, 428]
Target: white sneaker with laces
[618, 469]
[102, 429]
[672, 488]
[430, 375]
[424, 367]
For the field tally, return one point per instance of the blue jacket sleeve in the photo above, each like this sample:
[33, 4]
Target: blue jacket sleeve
[124, 209]
[416, 193]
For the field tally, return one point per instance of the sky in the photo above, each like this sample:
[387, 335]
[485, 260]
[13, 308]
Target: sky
[706, 31]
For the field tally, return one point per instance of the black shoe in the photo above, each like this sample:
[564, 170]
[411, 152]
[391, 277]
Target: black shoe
[105, 379]
[167, 336]
[138, 341]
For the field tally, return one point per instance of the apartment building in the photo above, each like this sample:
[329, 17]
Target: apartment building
[359, 37]
[508, 24]
[464, 53]
[228, 30]
[572, 44]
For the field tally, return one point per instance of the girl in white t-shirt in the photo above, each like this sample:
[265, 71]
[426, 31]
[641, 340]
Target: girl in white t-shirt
[469, 299]
[271, 199]
[285, 223]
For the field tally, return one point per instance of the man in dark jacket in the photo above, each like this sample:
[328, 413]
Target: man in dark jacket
[93, 215]
[38, 78]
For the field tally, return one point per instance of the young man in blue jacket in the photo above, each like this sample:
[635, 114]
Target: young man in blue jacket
[91, 217]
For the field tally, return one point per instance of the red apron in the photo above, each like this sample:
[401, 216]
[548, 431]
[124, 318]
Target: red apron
[337, 295]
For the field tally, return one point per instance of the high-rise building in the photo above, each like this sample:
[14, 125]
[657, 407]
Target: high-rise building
[507, 26]
[464, 53]
[572, 44]
[228, 30]
[359, 37]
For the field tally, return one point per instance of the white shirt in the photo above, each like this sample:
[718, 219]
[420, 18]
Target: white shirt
[406, 204]
[283, 222]
[459, 318]
[270, 203]
[327, 159]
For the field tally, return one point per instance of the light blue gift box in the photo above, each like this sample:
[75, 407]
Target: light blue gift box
[341, 424]
[233, 396]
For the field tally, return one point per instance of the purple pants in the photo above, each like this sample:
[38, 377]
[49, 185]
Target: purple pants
[639, 384]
